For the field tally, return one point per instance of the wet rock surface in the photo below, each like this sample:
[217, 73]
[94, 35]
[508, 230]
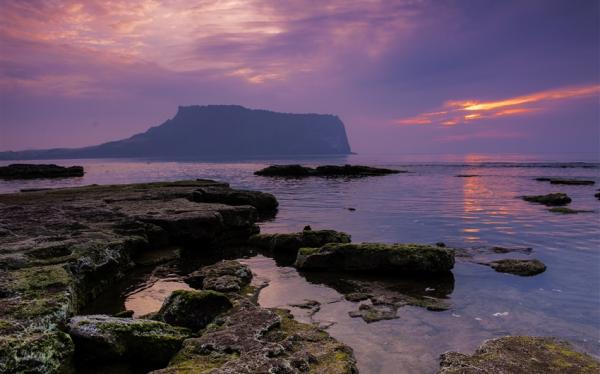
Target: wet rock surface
[553, 199]
[399, 259]
[565, 210]
[224, 276]
[518, 267]
[520, 354]
[192, 309]
[101, 339]
[284, 247]
[265, 203]
[61, 248]
[250, 339]
[570, 182]
[39, 171]
[298, 171]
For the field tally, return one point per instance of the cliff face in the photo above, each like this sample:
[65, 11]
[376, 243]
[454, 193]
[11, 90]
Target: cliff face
[219, 130]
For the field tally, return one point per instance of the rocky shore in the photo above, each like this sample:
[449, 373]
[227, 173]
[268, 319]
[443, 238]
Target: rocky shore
[62, 248]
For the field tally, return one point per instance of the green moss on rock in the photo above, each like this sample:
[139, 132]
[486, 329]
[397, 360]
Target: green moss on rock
[193, 309]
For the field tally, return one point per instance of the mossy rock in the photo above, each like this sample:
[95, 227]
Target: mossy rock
[103, 339]
[396, 259]
[43, 352]
[519, 267]
[553, 199]
[291, 242]
[193, 309]
[520, 354]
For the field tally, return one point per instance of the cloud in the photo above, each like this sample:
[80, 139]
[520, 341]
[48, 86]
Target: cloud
[463, 111]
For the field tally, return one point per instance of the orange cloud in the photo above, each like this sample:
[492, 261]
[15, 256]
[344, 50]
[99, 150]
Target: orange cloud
[453, 111]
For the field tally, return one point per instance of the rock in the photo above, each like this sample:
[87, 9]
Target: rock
[100, 339]
[518, 267]
[357, 296]
[265, 203]
[571, 182]
[440, 244]
[597, 195]
[520, 354]
[40, 171]
[224, 276]
[564, 210]
[285, 171]
[466, 175]
[297, 171]
[125, 314]
[374, 313]
[250, 339]
[41, 352]
[193, 309]
[307, 228]
[292, 242]
[397, 259]
[553, 199]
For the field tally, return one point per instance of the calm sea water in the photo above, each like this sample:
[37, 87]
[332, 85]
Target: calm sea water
[427, 205]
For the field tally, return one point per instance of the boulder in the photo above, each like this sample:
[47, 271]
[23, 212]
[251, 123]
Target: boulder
[100, 339]
[518, 267]
[193, 309]
[40, 352]
[265, 203]
[39, 171]
[553, 199]
[520, 354]
[224, 276]
[396, 259]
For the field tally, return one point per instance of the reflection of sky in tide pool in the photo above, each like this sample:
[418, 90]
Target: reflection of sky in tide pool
[427, 205]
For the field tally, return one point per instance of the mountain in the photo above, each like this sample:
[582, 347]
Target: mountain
[214, 131]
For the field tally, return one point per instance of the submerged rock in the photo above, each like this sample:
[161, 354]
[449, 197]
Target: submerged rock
[265, 203]
[398, 259]
[564, 210]
[571, 182]
[193, 309]
[250, 339]
[100, 339]
[553, 199]
[520, 354]
[374, 313]
[224, 276]
[39, 171]
[518, 267]
[295, 171]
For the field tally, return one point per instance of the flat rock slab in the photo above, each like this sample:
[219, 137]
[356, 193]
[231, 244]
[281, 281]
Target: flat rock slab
[299, 171]
[553, 199]
[520, 354]
[569, 182]
[39, 171]
[397, 259]
[193, 309]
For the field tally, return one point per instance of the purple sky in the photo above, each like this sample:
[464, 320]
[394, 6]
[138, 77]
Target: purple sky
[405, 76]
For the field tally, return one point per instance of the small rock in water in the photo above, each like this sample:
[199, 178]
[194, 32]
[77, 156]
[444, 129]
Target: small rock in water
[352, 209]
[307, 228]
[553, 199]
[571, 182]
[518, 267]
[374, 313]
[565, 210]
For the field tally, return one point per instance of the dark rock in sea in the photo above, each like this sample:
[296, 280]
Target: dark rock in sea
[217, 131]
[466, 175]
[265, 203]
[570, 182]
[39, 171]
[597, 195]
[193, 309]
[553, 199]
[297, 171]
[100, 339]
[520, 354]
[399, 259]
[565, 210]
[224, 276]
[518, 267]
[251, 339]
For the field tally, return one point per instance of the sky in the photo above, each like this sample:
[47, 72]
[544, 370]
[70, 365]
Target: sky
[406, 76]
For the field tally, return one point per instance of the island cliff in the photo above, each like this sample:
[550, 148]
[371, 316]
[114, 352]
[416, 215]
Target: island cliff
[218, 131]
